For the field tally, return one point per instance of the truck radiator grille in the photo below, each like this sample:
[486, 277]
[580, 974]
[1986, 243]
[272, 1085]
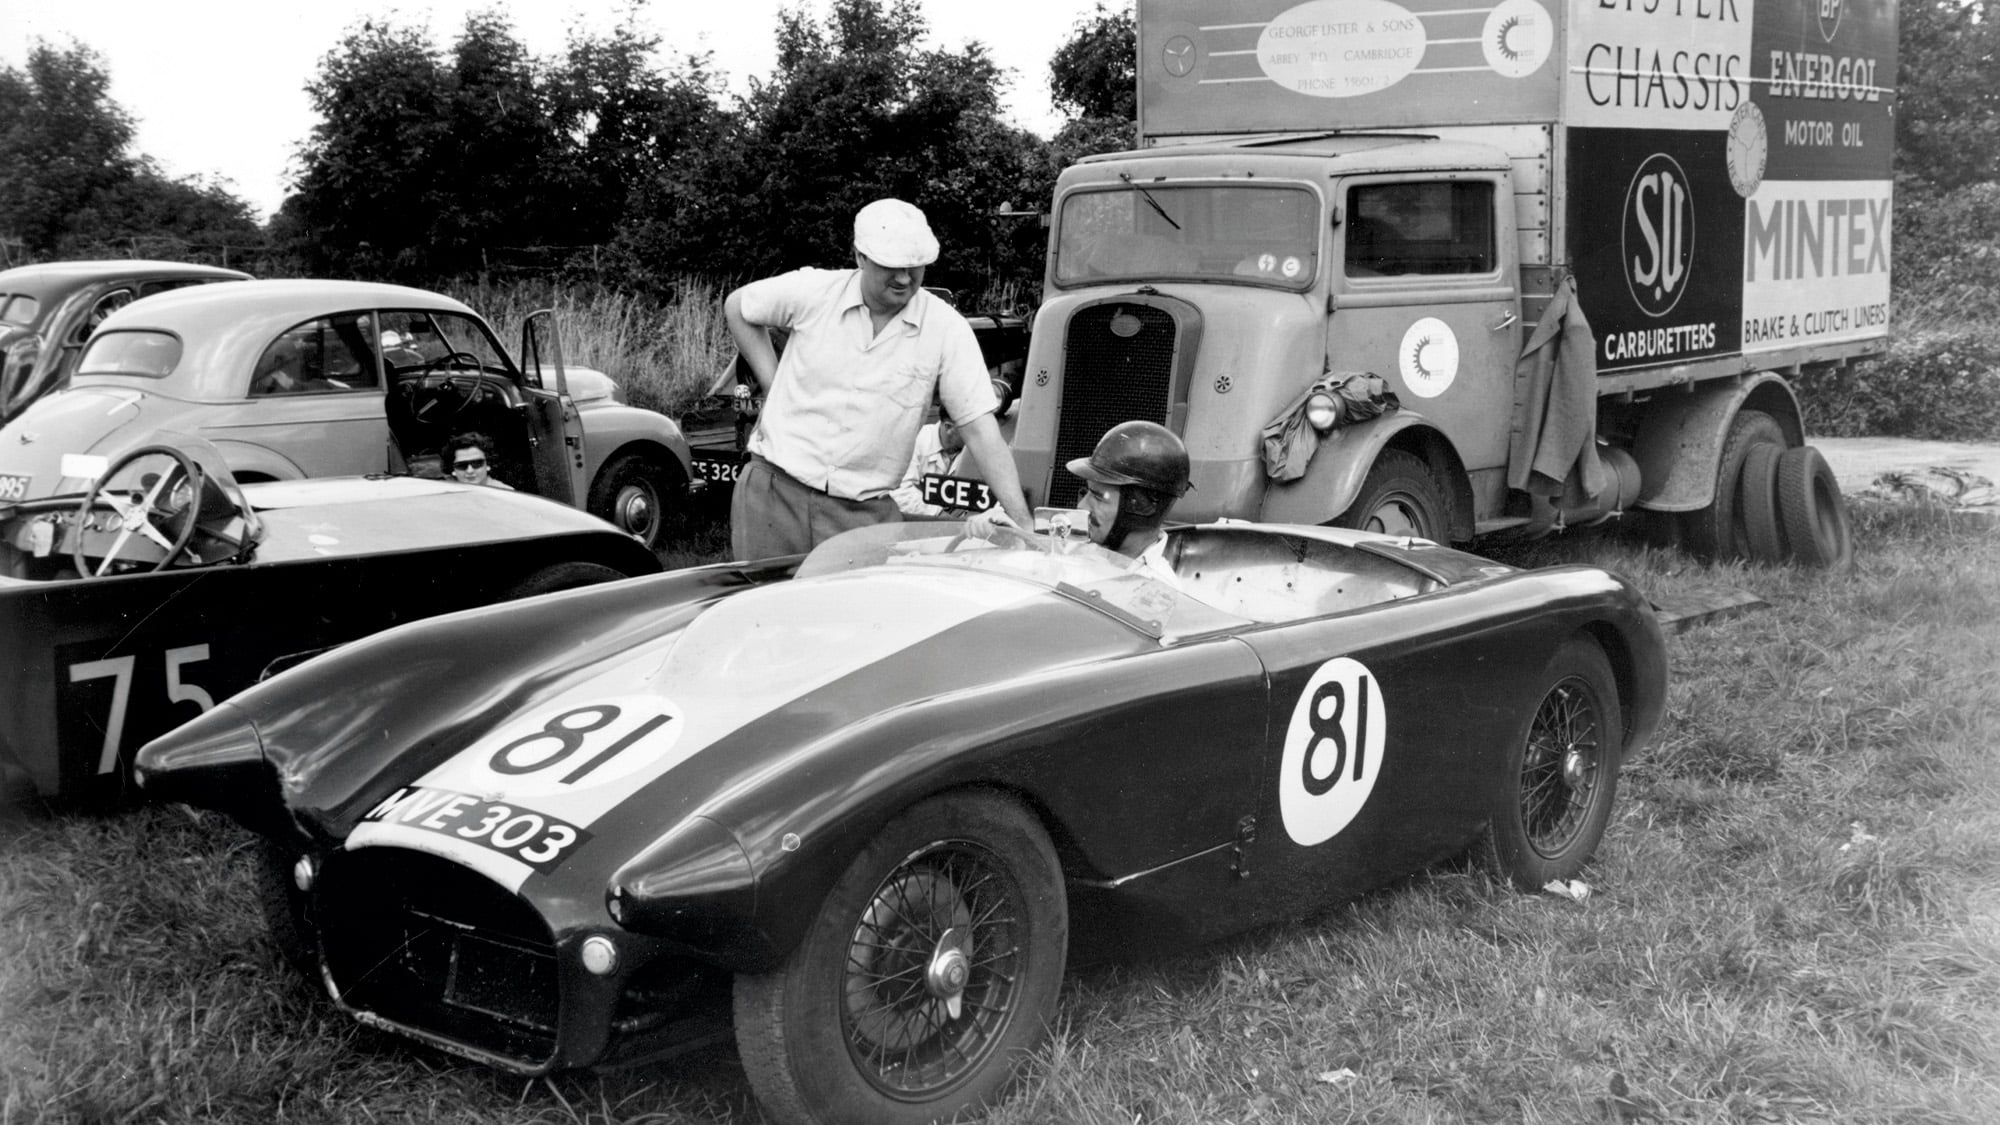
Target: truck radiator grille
[1118, 365]
[429, 945]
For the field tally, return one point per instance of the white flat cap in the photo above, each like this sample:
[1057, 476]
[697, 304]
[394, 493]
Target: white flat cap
[895, 234]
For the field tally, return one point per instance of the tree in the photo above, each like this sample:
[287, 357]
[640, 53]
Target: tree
[1948, 98]
[1096, 73]
[362, 203]
[62, 142]
[857, 109]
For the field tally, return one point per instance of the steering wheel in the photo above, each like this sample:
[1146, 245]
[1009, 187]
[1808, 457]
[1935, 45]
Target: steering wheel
[141, 515]
[425, 398]
[1026, 539]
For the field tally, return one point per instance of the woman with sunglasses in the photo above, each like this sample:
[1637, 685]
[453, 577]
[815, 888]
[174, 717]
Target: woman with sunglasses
[468, 457]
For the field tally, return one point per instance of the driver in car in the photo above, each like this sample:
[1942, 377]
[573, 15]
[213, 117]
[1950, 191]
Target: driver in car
[1131, 481]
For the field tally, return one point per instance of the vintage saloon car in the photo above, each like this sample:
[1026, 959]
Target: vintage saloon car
[294, 379]
[164, 588]
[879, 796]
[47, 311]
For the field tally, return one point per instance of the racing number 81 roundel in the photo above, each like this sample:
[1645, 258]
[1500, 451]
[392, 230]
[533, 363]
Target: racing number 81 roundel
[1333, 751]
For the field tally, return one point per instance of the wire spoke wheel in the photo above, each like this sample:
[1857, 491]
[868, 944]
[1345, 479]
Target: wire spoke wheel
[931, 977]
[1559, 775]
[1561, 772]
[926, 978]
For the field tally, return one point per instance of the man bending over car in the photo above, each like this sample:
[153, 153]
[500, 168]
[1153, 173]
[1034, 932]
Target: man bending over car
[1131, 481]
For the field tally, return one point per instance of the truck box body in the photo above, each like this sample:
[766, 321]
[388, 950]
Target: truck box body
[1405, 188]
[1691, 160]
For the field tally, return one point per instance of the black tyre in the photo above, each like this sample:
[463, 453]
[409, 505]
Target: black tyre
[561, 576]
[1812, 510]
[286, 909]
[1757, 498]
[928, 976]
[1400, 496]
[1562, 773]
[630, 493]
[1717, 532]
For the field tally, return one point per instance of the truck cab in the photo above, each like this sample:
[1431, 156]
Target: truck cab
[1388, 253]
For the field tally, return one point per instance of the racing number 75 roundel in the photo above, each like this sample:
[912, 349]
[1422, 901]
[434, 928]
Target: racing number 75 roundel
[1333, 751]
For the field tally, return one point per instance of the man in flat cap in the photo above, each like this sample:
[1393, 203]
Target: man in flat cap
[868, 349]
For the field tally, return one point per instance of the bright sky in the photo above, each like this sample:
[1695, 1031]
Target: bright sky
[218, 86]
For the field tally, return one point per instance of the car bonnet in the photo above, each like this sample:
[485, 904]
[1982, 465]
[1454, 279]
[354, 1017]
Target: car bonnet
[88, 420]
[751, 678]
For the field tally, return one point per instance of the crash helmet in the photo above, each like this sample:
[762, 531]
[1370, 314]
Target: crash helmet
[1146, 454]
[1149, 464]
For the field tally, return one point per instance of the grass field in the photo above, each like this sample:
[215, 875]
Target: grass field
[1795, 917]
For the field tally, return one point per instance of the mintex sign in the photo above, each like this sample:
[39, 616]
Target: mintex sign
[1725, 163]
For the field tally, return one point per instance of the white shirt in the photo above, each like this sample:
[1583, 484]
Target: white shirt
[844, 408]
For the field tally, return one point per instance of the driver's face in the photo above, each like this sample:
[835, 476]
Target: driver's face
[468, 466]
[1100, 503]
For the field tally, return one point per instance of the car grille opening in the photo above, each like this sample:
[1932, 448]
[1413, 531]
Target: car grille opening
[1118, 366]
[430, 945]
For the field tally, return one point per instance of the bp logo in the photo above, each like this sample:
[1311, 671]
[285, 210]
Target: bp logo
[1658, 235]
[1333, 751]
[1829, 17]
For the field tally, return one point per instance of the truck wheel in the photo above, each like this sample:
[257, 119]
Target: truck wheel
[927, 977]
[1562, 773]
[1812, 511]
[1757, 494]
[631, 494]
[1400, 497]
[1716, 532]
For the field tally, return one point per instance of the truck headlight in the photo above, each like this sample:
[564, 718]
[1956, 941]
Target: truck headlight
[1322, 412]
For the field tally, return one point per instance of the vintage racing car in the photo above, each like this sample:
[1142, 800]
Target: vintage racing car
[308, 378]
[164, 588]
[875, 799]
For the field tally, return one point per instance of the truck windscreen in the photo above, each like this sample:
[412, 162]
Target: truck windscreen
[1233, 232]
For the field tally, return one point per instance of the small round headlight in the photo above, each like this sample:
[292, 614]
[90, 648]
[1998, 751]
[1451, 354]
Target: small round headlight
[600, 956]
[1322, 412]
[305, 873]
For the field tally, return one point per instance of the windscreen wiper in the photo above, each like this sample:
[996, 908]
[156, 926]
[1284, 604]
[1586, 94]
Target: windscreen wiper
[1150, 201]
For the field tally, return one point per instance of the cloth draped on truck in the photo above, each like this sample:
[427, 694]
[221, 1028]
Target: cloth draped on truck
[1290, 441]
[1553, 443]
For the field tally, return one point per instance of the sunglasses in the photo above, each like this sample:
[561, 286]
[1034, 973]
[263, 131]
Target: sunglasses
[475, 463]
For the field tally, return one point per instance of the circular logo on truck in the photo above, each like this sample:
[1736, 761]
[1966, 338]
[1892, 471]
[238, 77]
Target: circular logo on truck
[1658, 241]
[1428, 358]
[1517, 38]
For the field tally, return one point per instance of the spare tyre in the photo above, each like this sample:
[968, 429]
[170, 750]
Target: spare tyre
[1811, 510]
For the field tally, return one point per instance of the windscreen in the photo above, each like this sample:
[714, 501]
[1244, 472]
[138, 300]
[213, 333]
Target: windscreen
[1238, 233]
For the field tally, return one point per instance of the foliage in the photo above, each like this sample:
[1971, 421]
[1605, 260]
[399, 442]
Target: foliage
[857, 109]
[1942, 384]
[1096, 73]
[63, 142]
[1793, 918]
[1948, 98]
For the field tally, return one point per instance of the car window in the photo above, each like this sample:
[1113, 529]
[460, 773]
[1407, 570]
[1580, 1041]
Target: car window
[103, 307]
[1433, 227]
[414, 340]
[18, 308]
[331, 354]
[147, 353]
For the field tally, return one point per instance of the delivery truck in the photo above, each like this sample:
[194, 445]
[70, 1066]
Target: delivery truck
[1458, 271]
